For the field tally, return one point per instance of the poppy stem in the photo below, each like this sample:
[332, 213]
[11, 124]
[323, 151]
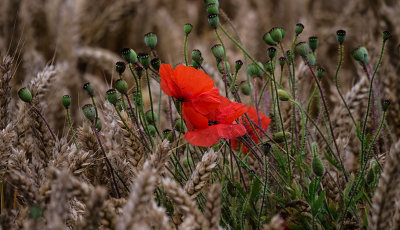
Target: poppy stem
[71, 129]
[45, 121]
[135, 119]
[184, 49]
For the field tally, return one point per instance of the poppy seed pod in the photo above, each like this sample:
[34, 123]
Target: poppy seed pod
[150, 39]
[25, 95]
[152, 130]
[213, 19]
[385, 105]
[386, 35]
[268, 39]
[283, 95]
[196, 56]
[187, 28]
[320, 72]
[151, 117]
[311, 59]
[139, 71]
[120, 67]
[317, 166]
[129, 55]
[221, 67]
[302, 49]
[279, 137]
[299, 28]
[212, 8]
[271, 52]
[89, 112]
[361, 55]
[313, 43]
[266, 147]
[218, 51]
[167, 134]
[112, 96]
[88, 87]
[66, 101]
[254, 70]
[122, 86]
[144, 59]
[269, 67]
[341, 36]
[238, 65]
[208, 2]
[245, 89]
[276, 34]
[98, 125]
[155, 63]
[282, 61]
[187, 162]
[179, 125]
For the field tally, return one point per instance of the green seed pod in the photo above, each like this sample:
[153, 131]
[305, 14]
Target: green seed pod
[187, 162]
[98, 125]
[361, 55]
[283, 95]
[212, 8]
[283, 32]
[122, 86]
[25, 95]
[302, 49]
[317, 166]
[144, 59]
[152, 130]
[187, 28]
[311, 59]
[218, 51]
[266, 147]
[221, 67]
[320, 72]
[254, 70]
[271, 52]
[150, 39]
[66, 101]
[299, 28]
[139, 71]
[276, 34]
[238, 65]
[196, 56]
[151, 117]
[129, 55]
[386, 35]
[208, 2]
[167, 134]
[156, 63]
[112, 96]
[88, 87]
[213, 19]
[313, 43]
[279, 137]
[282, 61]
[89, 112]
[269, 67]
[268, 39]
[245, 89]
[120, 67]
[385, 105]
[179, 125]
[341, 36]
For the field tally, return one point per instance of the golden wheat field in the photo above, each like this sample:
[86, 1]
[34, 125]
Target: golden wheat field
[207, 114]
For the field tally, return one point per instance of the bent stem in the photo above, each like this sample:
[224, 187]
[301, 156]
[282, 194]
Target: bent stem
[45, 121]
[136, 120]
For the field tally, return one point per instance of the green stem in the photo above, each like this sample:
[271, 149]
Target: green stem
[95, 108]
[151, 102]
[233, 82]
[303, 129]
[184, 49]
[71, 129]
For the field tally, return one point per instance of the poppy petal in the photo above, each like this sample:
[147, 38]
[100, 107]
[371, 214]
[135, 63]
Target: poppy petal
[207, 101]
[167, 81]
[212, 134]
[192, 81]
[228, 111]
[193, 119]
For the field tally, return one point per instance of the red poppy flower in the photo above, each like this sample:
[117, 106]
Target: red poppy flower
[210, 128]
[264, 120]
[192, 87]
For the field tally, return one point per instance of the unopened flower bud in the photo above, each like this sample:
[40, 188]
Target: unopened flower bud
[317, 166]
[255, 70]
[385, 105]
[268, 39]
[299, 28]
[144, 59]
[320, 72]
[66, 101]
[283, 95]
[279, 137]
[282, 61]
[302, 49]
[112, 96]
[88, 87]
[341, 36]
[120, 67]
[271, 52]
[89, 112]
[150, 39]
[386, 35]
[187, 28]
[313, 43]
[129, 55]
[151, 117]
[213, 19]
[25, 95]
[122, 86]
[218, 51]
[238, 65]
[156, 63]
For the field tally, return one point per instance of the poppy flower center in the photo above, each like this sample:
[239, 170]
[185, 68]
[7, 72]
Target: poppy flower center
[212, 123]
